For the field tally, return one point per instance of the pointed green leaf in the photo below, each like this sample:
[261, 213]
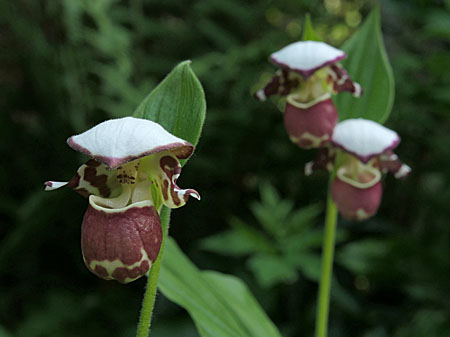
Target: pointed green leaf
[367, 64]
[177, 103]
[220, 305]
[308, 30]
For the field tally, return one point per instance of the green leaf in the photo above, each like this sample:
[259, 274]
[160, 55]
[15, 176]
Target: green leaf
[241, 240]
[272, 269]
[177, 103]
[367, 64]
[4, 332]
[360, 256]
[220, 305]
[308, 30]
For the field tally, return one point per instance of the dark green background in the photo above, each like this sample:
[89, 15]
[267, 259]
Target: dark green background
[67, 65]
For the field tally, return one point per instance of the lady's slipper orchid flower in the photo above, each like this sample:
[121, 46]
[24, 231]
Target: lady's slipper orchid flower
[366, 152]
[133, 173]
[309, 75]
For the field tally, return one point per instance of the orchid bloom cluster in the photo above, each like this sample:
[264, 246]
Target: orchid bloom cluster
[309, 74]
[132, 174]
[359, 150]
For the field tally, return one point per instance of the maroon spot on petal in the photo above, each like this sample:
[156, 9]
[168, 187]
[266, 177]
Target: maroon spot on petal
[99, 181]
[305, 142]
[145, 266]
[92, 163]
[175, 198]
[171, 167]
[165, 190]
[83, 192]
[74, 182]
[120, 274]
[100, 271]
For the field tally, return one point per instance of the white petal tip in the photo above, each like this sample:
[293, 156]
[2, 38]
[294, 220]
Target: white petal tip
[403, 171]
[308, 168]
[260, 95]
[358, 90]
[53, 185]
[195, 195]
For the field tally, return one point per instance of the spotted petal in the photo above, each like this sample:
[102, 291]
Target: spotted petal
[118, 141]
[343, 82]
[389, 162]
[324, 161]
[306, 57]
[122, 243]
[91, 178]
[164, 168]
[364, 138]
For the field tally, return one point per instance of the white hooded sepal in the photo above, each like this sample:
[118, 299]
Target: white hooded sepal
[364, 138]
[118, 141]
[306, 57]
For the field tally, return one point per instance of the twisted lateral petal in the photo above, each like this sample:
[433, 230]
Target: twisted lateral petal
[165, 169]
[281, 84]
[342, 81]
[364, 138]
[118, 141]
[123, 243]
[323, 161]
[389, 162]
[91, 178]
[306, 57]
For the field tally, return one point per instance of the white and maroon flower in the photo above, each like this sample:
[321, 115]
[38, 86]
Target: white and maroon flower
[308, 76]
[366, 152]
[133, 173]
[309, 69]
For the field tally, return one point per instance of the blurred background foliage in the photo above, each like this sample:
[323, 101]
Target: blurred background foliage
[66, 65]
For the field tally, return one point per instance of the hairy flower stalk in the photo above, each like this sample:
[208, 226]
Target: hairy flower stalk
[309, 74]
[133, 173]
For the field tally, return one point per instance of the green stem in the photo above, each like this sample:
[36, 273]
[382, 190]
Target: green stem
[327, 267]
[152, 282]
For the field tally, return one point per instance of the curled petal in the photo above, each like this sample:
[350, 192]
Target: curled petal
[342, 81]
[119, 141]
[165, 169]
[364, 138]
[356, 203]
[306, 57]
[389, 162]
[123, 243]
[91, 178]
[310, 125]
